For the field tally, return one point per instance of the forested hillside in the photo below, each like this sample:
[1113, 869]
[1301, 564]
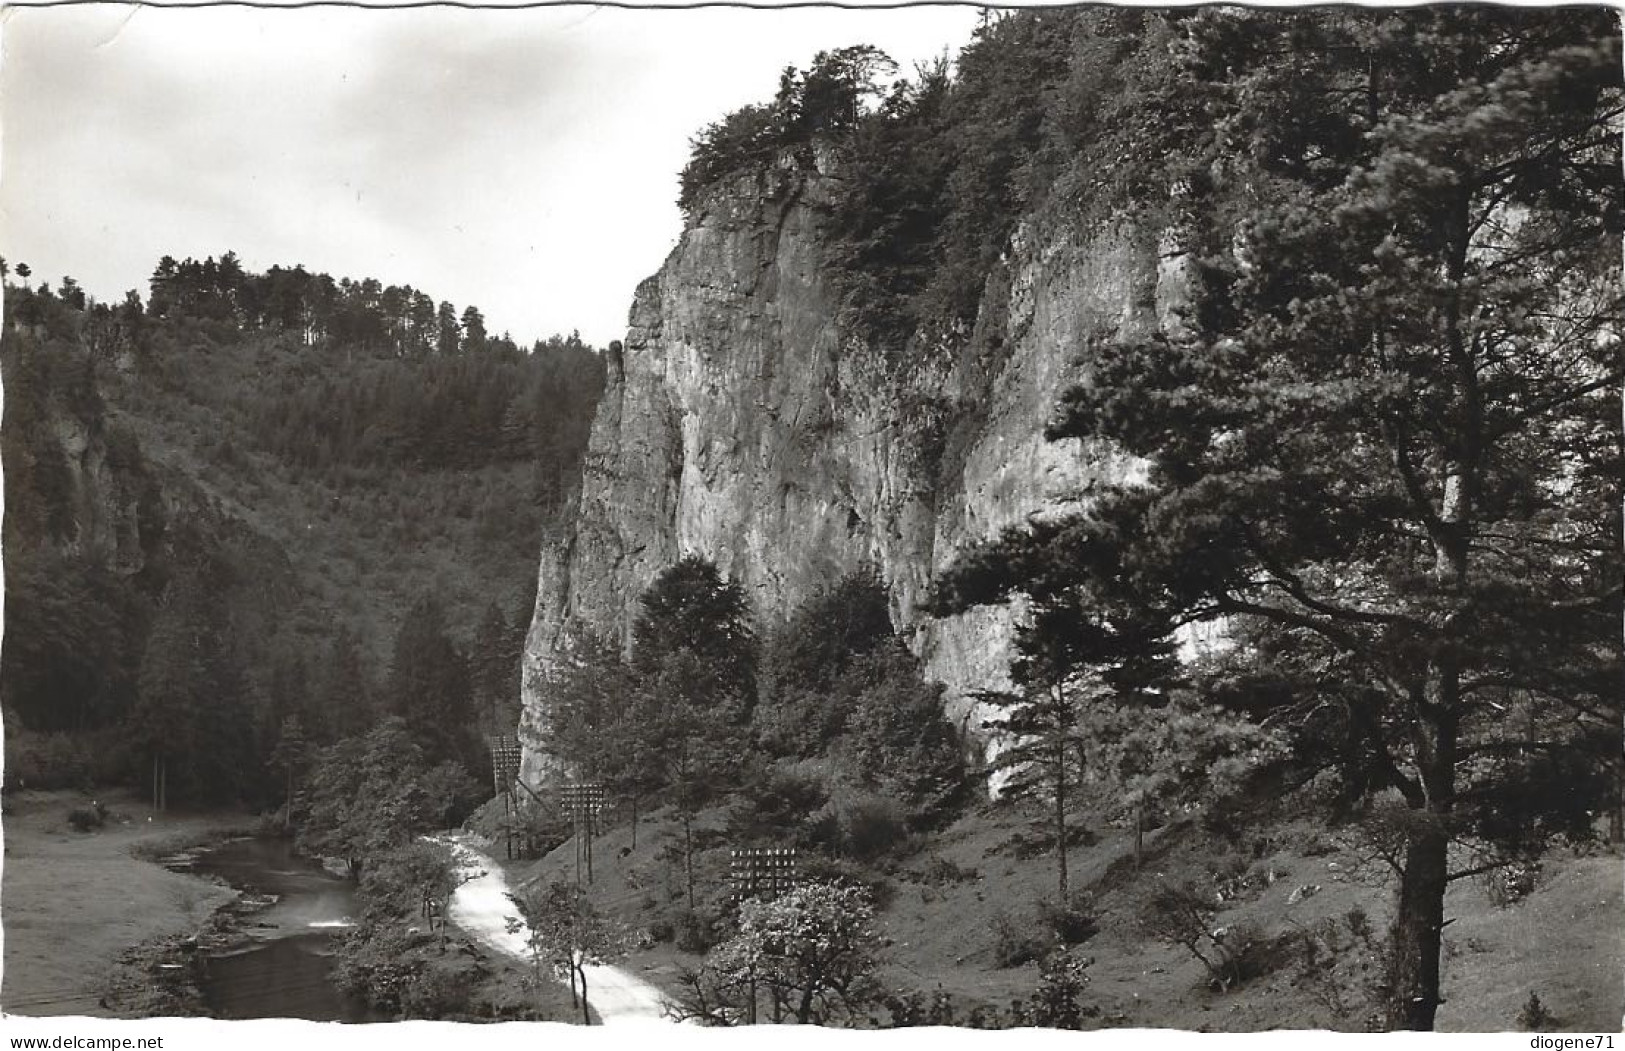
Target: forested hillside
[257, 512]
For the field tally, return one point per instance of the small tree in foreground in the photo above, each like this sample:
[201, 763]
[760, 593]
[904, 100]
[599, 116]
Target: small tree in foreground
[414, 880]
[813, 950]
[1056, 1003]
[367, 796]
[566, 932]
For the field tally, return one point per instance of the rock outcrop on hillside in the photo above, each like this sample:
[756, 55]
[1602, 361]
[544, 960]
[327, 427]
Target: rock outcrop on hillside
[743, 422]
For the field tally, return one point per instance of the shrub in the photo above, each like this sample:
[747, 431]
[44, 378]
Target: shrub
[940, 871]
[380, 964]
[1534, 1017]
[87, 819]
[1182, 915]
[786, 799]
[1018, 941]
[869, 826]
[436, 991]
[696, 933]
[1060, 984]
[1226, 818]
[1510, 884]
[1247, 952]
[1325, 950]
[1039, 840]
[1267, 874]
[1359, 925]
[1316, 845]
[847, 873]
[913, 1009]
[1074, 922]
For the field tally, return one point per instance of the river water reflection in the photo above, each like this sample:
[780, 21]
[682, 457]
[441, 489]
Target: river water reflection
[287, 972]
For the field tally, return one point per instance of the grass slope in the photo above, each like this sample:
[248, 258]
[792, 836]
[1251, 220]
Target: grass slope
[992, 868]
[74, 902]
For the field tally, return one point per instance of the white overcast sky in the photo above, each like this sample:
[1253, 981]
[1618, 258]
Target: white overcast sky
[525, 161]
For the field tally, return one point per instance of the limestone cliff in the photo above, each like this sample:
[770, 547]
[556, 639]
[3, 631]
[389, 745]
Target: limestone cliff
[120, 511]
[742, 423]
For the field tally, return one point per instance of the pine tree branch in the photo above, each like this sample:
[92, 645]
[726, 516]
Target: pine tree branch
[1555, 149]
[1292, 584]
[1507, 748]
[1545, 405]
[1421, 503]
[1353, 644]
[1478, 870]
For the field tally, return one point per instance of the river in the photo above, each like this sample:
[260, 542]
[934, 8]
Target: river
[286, 972]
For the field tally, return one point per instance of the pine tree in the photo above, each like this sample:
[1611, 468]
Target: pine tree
[347, 701]
[1390, 434]
[494, 672]
[429, 688]
[448, 338]
[694, 652]
[473, 330]
[289, 755]
[690, 608]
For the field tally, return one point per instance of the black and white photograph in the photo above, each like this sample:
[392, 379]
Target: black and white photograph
[1060, 518]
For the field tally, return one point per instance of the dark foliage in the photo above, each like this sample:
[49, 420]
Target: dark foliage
[369, 798]
[293, 454]
[838, 682]
[1534, 1017]
[85, 819]
[824, 103]
[1379, 443]
[690, 608]
[429, 689]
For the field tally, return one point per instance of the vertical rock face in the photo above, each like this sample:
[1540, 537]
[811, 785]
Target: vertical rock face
[745, 426]
[112, 506]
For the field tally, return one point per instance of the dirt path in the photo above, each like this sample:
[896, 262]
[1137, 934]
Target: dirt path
[481, 907]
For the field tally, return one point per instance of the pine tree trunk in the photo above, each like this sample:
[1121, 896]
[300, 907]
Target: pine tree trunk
[1416, 937]
[688, 857]
[1616, 813]
[1060, 819]
[586, 1018]
[1416, 934]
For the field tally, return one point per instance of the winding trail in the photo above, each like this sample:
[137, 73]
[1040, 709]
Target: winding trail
[481, 907]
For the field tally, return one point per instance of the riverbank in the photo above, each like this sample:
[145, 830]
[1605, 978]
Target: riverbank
[94, 926]
[97, 926]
